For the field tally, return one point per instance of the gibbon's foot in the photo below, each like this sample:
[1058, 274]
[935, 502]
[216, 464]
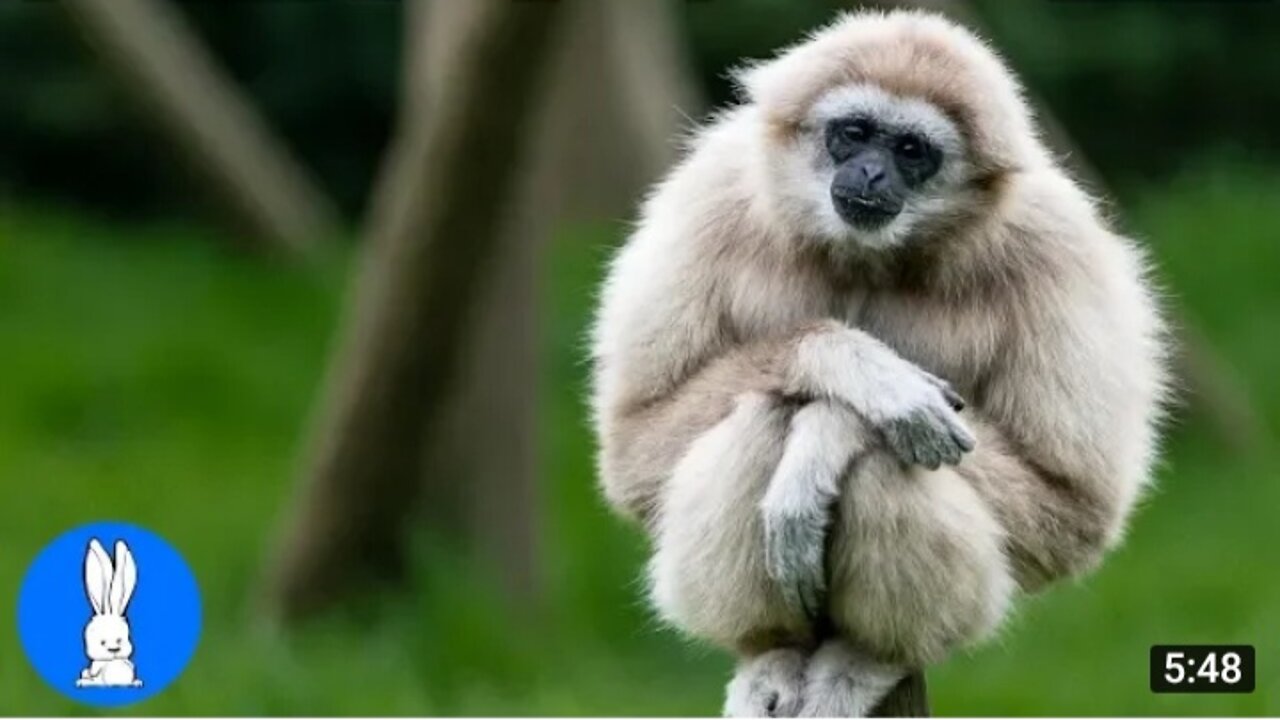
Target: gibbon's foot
[767, 685]
[842, 681]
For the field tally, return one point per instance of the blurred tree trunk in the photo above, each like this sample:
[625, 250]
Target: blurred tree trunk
[590, 151]
[432, 257]
[601, 132]
[623, 88]
[157, 58]
[479, 471]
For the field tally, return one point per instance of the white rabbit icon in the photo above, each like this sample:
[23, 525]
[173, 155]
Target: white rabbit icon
[106, 636]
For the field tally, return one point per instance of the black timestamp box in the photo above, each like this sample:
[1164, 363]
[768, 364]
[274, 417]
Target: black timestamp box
[1202, 668]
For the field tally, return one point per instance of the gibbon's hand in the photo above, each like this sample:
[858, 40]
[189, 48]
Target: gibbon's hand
[916, 412]
[795, 530]
[931, 433]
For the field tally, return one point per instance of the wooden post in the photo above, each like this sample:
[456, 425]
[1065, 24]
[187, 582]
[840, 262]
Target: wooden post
[909, 698]
[588, 145]
[427, 261]
[158, 59]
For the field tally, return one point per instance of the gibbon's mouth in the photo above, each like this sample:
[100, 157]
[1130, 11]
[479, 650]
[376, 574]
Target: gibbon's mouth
[866, 213]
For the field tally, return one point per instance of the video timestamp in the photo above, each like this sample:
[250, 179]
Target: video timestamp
[1202, 668]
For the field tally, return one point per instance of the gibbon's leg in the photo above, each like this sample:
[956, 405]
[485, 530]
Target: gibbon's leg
[917, 562]
[708, 574]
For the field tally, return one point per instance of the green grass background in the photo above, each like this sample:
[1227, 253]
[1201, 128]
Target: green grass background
[149, 374]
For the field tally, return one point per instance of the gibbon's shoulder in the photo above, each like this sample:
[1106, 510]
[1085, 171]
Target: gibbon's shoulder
[1050, 237]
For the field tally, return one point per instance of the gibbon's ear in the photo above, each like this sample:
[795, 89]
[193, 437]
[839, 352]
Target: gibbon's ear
[124, 579]
[97, 576]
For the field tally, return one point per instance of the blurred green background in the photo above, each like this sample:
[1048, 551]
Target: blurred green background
[152, 371]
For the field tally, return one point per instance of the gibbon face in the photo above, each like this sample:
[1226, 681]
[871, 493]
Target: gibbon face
[883, 126]
[869, 167]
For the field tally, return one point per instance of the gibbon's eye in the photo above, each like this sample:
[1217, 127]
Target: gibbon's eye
[911, 147]
[917, 159]
[845, 136]
[858, 130]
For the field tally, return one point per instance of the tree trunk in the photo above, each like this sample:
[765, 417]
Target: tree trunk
[157, 58]
[480, 471]
[622, 89]
[592, 151]
[437, 225]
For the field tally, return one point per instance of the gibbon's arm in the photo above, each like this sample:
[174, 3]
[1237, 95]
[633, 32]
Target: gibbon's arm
[1065, 422]
[643, 439]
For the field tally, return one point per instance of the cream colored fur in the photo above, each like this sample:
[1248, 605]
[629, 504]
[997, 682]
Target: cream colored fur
[760, 369]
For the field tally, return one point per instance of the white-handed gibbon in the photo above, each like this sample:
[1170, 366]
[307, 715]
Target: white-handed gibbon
[870, 363]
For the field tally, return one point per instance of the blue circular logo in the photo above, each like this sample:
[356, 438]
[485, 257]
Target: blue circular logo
[109, 614]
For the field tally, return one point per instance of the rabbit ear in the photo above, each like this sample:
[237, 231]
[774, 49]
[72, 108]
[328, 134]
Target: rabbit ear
[97, 576]
[124, 579]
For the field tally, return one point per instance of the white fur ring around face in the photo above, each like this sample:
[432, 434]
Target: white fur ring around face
[109, 586]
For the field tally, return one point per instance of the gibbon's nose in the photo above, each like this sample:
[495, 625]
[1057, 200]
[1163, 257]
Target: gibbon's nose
[873, 173]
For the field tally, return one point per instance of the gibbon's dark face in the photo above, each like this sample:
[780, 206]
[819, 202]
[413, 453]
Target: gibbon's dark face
[877, 168]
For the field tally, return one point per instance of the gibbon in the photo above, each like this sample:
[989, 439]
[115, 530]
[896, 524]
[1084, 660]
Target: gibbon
[870, 364]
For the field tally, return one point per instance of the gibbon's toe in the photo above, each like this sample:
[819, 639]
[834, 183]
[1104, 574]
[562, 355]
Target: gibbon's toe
[768, 685]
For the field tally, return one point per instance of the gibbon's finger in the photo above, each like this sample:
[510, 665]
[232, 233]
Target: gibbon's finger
[953, 398]
[928, 437]
[897, 442]
[913, 438]
[940, 429]
[950, 452]
[957, 438]
[952, 456]
[949, 393]
[961, 434]
[953, 443]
